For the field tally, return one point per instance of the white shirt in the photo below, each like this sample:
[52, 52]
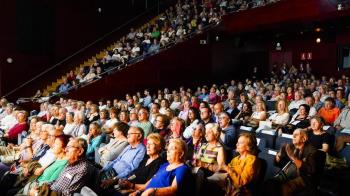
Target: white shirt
[295, 104]
[189, 130]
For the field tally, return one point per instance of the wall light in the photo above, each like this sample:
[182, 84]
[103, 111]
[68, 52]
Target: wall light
[318, 40]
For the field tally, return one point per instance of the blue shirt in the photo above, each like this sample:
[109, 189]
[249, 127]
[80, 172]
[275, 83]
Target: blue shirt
[164, 178]
[146, 101]
[128, 160]
[94, 144]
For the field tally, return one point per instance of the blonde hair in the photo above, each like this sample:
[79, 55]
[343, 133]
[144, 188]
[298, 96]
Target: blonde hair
[158, 140]
[214, 127]
[181, 145]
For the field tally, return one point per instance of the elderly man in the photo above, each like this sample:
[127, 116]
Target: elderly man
[306, 159]
[127, 161]
[342, 125]
[75, 174]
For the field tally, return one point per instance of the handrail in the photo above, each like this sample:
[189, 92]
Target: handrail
[79, 51]
[120, 67]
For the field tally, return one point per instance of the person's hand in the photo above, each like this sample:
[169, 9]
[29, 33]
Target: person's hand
[125, 184]
[278, 157]
[148, 192]
[10, 145]
[134, 193]
[292, 157]
[290, 152]
[106, 183]
[33, 191]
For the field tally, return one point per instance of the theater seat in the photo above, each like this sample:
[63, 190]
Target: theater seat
[261, 142]
[283, 139]
[269, 156]
[270, 137]
[346, 153]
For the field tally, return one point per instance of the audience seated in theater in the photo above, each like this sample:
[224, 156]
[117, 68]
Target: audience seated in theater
[300, 120]
[148, 166]
[171, 177]
[303, 155]
[74, 176]
[210, 156]
[244, 168]
[52, 172]
[128, 160]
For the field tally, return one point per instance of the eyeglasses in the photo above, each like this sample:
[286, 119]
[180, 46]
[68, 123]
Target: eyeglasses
[68, 147]
[133, 133]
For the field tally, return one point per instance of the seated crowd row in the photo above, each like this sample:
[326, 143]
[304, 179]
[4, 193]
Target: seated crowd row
[146, 145]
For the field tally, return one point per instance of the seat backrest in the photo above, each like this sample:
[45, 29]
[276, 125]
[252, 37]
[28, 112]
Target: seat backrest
[269, 136]
[283, 139]
[269, 156]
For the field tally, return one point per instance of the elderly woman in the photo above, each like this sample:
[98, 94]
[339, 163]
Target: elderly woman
[177, 125]
[149, 165]
[317, 137]
[171, 177]
[195, 142]
[210, 156]
[243, 169]
[116, 145]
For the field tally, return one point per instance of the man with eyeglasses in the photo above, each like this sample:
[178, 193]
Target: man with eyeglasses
[144, 123]
[128, 160]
